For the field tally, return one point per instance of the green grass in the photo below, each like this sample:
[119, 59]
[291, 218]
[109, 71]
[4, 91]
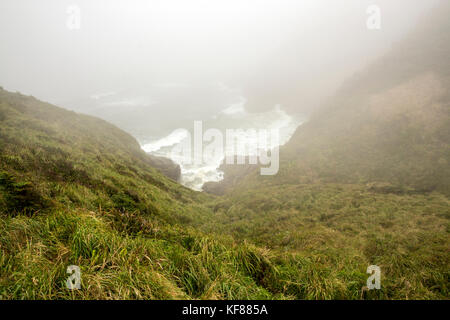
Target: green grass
[75, 190]
[332, 232]
[154, 263]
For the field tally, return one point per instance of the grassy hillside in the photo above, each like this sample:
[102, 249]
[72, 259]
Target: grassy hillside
[390, 123]
[77, 190]
[367, 179]
[365, 182]
[336, 230]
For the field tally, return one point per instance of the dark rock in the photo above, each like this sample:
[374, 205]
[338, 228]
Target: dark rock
[166, 166]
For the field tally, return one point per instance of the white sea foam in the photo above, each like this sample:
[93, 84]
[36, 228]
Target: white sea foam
[235, 108]
[172, 139]
[194, 176]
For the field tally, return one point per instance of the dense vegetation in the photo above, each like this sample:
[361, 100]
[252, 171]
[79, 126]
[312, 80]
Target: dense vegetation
[75, 190]
[137, 234]
[365, 182]
[359, 180]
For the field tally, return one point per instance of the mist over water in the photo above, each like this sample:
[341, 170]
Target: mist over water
[233, 117]
[134, 54]
[152, 114]
[152, 67]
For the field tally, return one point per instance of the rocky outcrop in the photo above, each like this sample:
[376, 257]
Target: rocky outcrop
[233, 175]
[166, 166]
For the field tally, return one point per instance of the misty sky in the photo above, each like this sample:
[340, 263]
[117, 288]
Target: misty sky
[161, 59]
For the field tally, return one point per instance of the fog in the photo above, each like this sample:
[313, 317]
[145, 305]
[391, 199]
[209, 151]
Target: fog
[153, 66]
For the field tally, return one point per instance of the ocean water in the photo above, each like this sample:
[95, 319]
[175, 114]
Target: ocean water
[233, 117]
[161, 117]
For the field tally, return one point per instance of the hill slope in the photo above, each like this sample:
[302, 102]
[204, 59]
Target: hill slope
[75, 190]
[368, 177]
[388, 125]
[391, 122]
[364, 182]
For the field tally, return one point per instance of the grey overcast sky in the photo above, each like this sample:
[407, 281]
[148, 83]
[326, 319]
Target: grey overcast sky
[287, 52]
